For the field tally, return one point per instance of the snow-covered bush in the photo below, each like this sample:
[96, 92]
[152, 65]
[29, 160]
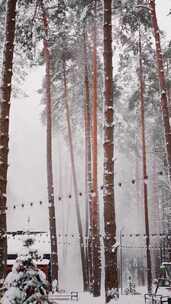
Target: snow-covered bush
[25, 283]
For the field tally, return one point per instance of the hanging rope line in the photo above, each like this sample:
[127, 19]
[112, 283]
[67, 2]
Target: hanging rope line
[63, 196]
[69, 239]
[77, 236]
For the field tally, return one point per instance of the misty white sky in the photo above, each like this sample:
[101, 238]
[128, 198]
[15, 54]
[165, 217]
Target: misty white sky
[27, 158]
[163, 8]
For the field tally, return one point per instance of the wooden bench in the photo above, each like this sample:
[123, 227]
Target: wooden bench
[72, 296]
[156, 299]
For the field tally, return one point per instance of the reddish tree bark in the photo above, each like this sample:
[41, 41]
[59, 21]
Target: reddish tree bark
[7, 67]
[162, 80]
[95, 206]
[52, 217]
[168, 87]
[111, 272]
[146, 211]
[156, 217]
[88, 183]
[80, 230]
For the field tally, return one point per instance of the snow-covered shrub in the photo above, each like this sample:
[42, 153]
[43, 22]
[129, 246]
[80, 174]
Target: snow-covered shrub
[25, 283]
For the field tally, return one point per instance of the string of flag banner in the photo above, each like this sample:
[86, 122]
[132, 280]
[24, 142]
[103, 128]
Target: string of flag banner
[77, 236]
[66, 239]
[123, 246]
[70, 196]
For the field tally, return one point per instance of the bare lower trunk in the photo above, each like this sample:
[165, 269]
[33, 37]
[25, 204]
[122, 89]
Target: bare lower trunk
[146, 211]
[5, 97]
[156, 224]
[87, 127]
[111, 272]
[52, 217]
[168, 88]
[80, 230]
[95, 205]
[162, 80]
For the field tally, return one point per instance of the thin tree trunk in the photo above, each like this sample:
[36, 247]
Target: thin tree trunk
[139, 198]
[168, 88]
[5, 96]
[52, 217]
[146, 211]
[162, 80]
[95, 205]
[156, 224]
[80, 230]
[137, 174]
[111, 272]
[155, 198]
[88, 186]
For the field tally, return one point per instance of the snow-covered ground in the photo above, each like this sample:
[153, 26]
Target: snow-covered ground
[86, 298]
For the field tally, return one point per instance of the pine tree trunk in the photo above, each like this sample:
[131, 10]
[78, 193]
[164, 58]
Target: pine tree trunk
[162, 80]
[80, 230]
[95, 205]
[52, 217]
[5, 96]
[168, 88]
[148, 254]
[87, 127]
[111, 272]
[139, 199]
[156, 224]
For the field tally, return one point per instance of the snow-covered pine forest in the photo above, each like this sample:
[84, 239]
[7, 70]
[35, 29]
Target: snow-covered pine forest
[85, 150]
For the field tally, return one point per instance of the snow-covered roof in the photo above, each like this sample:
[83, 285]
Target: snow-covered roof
[38, 262]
